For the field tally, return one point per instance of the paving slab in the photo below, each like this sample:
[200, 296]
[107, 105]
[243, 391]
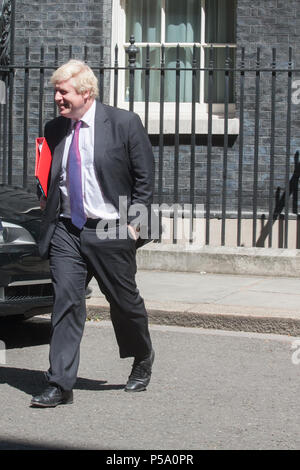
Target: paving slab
[227, 301]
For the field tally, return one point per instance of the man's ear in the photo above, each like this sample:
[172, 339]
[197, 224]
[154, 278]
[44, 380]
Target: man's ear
[87, 94]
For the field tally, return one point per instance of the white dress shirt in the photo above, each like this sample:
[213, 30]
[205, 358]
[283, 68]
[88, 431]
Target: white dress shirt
[95, 204]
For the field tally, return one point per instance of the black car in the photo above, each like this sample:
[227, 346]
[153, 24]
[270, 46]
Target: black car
[25, 284]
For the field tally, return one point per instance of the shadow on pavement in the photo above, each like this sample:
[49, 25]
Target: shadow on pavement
[18, 444]
[34, 332]
[22, 445]
[33, 381]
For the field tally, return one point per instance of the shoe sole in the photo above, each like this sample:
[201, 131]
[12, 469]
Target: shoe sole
[135, 391]
[41, 405]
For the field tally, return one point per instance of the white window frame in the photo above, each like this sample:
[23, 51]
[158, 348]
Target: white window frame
[218, 121]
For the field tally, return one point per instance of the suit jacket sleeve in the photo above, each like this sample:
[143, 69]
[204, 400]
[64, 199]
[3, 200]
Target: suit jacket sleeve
[142, 168]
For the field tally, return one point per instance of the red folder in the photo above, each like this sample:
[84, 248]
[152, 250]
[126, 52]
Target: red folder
[43, 159]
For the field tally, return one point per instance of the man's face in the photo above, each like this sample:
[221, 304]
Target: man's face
[71, 104]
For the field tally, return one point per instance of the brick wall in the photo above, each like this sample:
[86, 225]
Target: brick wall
[268, 24]
[51, 24]
[265, 23]
[64, 22]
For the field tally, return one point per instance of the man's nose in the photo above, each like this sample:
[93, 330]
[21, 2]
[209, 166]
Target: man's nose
[57, 96]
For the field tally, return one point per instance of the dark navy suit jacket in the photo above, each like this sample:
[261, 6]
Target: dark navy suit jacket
[123, 160]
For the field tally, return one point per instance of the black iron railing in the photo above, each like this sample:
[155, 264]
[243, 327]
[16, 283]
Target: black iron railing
[232, 174]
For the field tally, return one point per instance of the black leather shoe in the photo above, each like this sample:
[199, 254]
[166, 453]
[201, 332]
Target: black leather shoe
[52, 396]
[140, 375]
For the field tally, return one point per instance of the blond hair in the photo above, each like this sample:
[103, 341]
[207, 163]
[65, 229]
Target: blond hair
[82, 77]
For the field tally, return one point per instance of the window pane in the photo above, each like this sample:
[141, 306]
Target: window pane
[220, 21]
[186, 61]
[140, 76]
[186, 83]
[143, 20]
[219, 76]
[183, 20]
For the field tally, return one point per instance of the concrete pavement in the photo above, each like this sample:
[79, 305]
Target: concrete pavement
[210, 389]
[242, 302]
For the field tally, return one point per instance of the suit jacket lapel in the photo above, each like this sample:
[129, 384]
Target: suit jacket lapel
[102, 133]
[59, 151]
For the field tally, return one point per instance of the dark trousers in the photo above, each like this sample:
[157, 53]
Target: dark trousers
[75, 257]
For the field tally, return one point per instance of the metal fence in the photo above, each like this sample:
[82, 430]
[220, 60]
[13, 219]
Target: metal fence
[251, 174]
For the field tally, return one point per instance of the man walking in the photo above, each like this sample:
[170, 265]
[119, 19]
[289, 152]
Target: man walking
[99, 154]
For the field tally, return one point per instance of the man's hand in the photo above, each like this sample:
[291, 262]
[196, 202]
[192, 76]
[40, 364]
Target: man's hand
[42, 203]
[134, 233]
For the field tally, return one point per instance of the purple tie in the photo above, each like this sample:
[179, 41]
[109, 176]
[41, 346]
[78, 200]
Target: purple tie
[74, 176]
